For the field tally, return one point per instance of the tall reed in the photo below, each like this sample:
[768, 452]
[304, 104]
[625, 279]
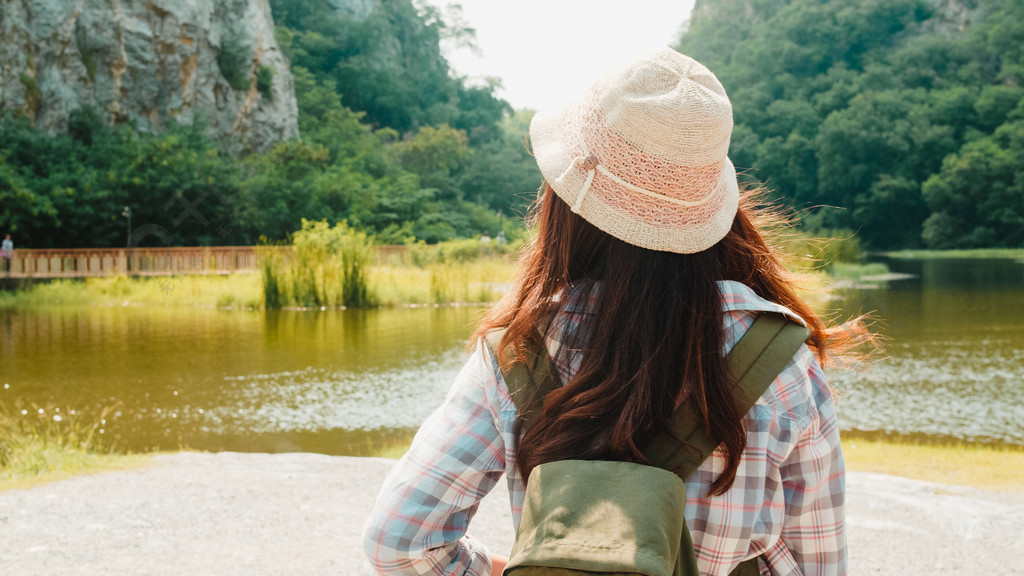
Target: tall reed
[356, 257]
[271, 269]
[326, 267]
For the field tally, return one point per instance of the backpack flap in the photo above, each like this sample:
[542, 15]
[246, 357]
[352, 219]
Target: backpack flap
[595, 517]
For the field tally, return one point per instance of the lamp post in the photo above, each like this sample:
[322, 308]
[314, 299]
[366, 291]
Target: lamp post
[127, 213]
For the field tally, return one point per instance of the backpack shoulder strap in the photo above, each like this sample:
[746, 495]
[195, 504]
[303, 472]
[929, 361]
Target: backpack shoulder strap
[529, 380]
[762, 353]
[754, 362]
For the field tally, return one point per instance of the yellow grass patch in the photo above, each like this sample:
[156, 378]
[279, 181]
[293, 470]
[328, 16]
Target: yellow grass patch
[61, 466]
[980, 466]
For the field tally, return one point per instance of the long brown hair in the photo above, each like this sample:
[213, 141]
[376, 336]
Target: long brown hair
[654, 335]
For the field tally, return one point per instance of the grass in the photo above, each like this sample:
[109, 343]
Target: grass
[980, 466]
[238, 291]
[475, 281]
[976, 253]
[40, 445]
[856, 271]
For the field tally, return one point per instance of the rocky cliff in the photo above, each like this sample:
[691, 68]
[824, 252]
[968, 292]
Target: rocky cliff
[149, 62]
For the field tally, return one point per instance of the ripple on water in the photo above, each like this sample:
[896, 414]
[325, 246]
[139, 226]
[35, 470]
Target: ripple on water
[944, 390]
[315, 399]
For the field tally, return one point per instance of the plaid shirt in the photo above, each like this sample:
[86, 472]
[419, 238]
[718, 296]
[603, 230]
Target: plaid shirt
[785, 505]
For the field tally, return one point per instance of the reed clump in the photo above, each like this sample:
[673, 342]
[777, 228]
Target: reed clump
[335, 267]
[325, 268]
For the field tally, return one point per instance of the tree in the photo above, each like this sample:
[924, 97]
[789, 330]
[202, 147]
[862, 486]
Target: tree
[977, 199]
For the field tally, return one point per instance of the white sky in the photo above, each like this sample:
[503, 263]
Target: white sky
[547, 52]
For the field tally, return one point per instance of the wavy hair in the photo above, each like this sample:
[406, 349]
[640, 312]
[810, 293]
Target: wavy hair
[654, 336]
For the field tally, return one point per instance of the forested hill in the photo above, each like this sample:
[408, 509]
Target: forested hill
[905, 115]
[388, 139]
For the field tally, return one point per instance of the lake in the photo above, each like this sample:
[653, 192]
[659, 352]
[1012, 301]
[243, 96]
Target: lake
[955, 365]
[348, 382]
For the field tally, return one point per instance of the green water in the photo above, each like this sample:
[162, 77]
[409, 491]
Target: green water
[337, 382]
[955, 366]
[345, 382]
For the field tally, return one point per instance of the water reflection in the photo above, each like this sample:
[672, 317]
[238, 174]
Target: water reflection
[279, 381]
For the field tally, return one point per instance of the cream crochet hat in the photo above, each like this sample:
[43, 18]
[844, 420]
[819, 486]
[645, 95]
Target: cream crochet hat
[642, 155]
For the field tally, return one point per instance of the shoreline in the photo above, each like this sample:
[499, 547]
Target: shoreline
[976, 466]
[233, 513]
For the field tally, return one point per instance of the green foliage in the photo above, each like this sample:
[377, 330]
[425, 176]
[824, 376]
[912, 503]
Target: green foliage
[883, 109]
[265, 82]
[460, 251]
[977, 198]
[20, 209]
[434, 154]
[70, 189]
[401, 86]
[235, 58]
[502, 174]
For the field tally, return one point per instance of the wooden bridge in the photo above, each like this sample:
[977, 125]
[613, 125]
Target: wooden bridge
[91, 262]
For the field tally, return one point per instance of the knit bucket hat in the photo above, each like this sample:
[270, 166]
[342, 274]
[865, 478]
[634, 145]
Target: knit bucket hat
[643, 155]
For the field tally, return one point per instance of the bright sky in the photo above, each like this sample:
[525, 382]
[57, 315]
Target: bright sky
[546, 52]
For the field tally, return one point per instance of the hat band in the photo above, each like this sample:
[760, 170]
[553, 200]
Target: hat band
[600, 168]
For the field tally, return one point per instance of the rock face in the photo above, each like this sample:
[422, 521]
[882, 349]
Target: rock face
[149, 62]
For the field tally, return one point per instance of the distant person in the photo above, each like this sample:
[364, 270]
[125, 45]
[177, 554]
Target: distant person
[501, 237]
[7, 251]
[485, 238]
[648, 265]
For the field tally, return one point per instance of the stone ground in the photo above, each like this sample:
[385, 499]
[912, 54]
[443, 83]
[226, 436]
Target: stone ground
[280, 514]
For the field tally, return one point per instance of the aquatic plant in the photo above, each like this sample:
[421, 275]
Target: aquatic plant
[356, 257]
[270, 274]
[327, 266]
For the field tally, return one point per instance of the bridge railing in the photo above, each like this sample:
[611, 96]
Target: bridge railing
[87, 262]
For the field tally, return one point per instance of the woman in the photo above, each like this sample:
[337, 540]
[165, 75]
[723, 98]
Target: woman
[646, 269]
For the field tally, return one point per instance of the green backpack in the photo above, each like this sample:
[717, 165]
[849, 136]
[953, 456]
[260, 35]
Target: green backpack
[585, 517]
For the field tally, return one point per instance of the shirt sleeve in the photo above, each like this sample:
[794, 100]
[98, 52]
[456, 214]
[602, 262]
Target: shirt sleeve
[419, 522]
[813, 538]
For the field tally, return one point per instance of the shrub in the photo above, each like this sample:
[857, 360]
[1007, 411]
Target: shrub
[235, 58]
[265, 82]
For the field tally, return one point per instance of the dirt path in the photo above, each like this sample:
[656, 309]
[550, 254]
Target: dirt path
[279, 514]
